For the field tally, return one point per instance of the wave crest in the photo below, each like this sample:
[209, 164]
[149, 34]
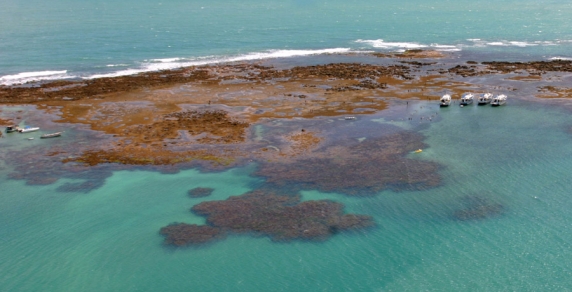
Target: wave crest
[25, 77]
[174, 63]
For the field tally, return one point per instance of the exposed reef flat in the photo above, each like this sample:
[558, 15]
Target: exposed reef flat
[301, 127]
[413, 54]
[209, 115]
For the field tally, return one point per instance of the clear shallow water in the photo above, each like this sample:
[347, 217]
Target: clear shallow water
[107, 239]
[70, 39]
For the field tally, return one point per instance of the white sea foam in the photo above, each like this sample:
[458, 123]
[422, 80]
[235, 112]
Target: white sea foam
[505, 43]
[522, 44]
[391, 45]
[166, 60]
[471, 43]
[561, 58]
[173, 63]
[400, 46]
[446, 48]
[497, 44]
[24, 77]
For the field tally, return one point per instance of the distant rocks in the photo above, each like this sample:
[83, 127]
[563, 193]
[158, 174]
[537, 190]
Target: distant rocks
[541, 66]
[533, 68]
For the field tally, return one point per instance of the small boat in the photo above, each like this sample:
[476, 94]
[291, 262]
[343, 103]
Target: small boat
[52, 135]
[11, 129]
[418, 151]
[28, 129]
[445, 100]
[467, 99]
[485, 98]
[499, 100]
[350, 118]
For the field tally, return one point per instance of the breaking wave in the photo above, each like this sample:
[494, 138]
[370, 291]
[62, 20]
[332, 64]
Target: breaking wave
[25, 77]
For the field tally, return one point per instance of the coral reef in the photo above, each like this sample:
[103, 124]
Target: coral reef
[536, 66]
[412, 54]
[180, 234]
[85, 186]
[478, 208]
[148, 156]
[363, 169]
[5, 122]
[216, 123]
[200, 192]
[75, 90]
[263, 213]
[101, 87]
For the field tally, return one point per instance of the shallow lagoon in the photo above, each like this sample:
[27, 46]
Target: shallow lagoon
[516, 156]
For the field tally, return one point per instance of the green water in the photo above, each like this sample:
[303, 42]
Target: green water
[517, 155]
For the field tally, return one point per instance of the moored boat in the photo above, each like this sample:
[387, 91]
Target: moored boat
[467, 98]
[11, 129]
[485, 98]
[445, 100]
[499, 100]
[28, 129]
[52, 135]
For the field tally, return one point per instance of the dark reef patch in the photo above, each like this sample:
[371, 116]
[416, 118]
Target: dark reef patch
[200, 192]
[180, 234]
[536, 66]
[85, 186]
[280, 217]
[362, 169]
[478, 208]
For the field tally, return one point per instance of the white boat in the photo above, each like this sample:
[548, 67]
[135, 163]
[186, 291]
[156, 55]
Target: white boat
[445, 100]
[467, 99]
[28, 129]
[499, 100]
[52, 135]
[485, 98]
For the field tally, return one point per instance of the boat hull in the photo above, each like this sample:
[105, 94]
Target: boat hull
[54, 135]
[28, 130]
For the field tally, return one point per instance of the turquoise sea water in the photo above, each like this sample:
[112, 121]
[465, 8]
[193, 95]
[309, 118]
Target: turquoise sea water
[107, 239]
[517, 156]
[71, 39]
